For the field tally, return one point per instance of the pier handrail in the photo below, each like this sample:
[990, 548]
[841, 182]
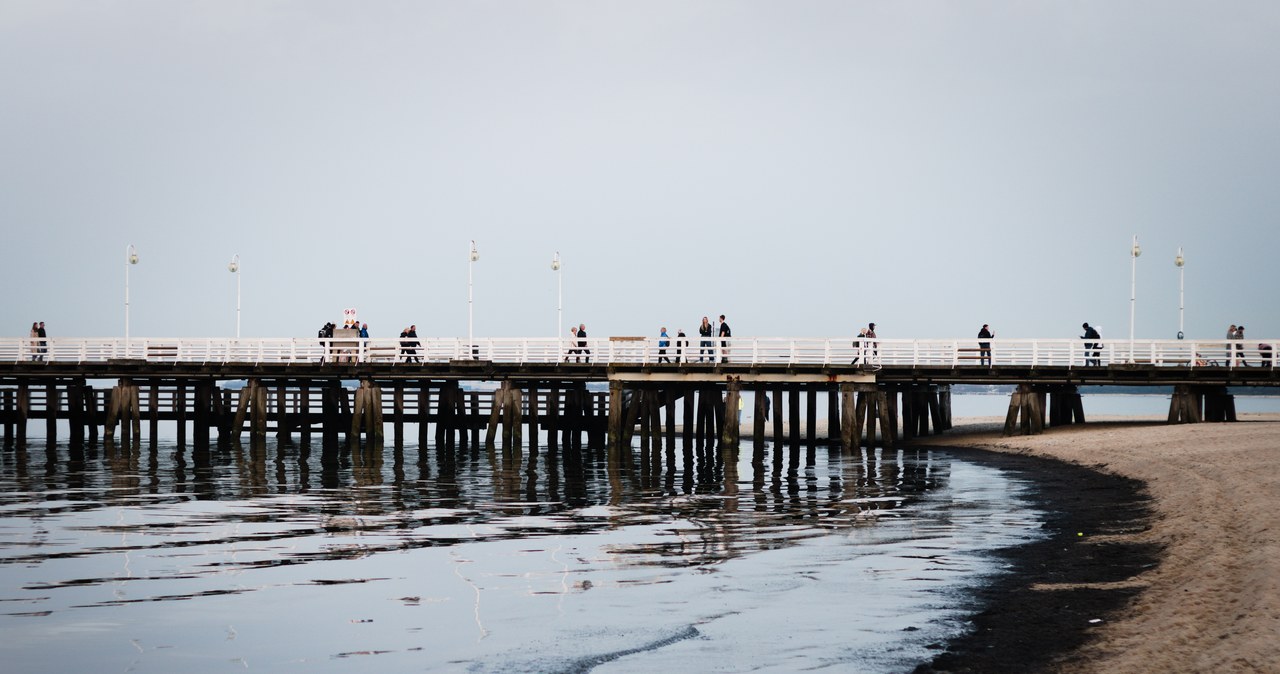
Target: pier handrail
[825, 351]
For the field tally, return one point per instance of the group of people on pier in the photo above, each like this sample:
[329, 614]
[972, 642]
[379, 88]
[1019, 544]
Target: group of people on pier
[865, 344]
[707, 351]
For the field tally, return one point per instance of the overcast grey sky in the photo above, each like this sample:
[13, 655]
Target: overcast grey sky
[803, 167]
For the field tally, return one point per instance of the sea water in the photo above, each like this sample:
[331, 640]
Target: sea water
[277, 557]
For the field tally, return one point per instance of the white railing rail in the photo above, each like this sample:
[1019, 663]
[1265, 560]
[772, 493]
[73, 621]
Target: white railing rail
[740, 350]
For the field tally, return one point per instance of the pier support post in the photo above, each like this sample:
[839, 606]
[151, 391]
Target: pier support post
[848, 417]
[52, 405]
[10, 412]
[24, 410]
[1025, 404]
[731, 431]
[614, 428]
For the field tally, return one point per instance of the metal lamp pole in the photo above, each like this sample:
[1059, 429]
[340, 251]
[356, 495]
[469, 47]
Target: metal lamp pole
[1134, 252]
[555, 267]
[1178, 262]
[234, 268]
[475, 255]
[130, 258]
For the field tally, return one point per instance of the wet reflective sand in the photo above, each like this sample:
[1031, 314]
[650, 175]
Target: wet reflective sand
[285, 557]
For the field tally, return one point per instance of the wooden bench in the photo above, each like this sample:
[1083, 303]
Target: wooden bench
[382, 353]
[162, 352]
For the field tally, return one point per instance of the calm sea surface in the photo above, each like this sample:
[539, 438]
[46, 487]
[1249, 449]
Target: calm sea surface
[280, 557]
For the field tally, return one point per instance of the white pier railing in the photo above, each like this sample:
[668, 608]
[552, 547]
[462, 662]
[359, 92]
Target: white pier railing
[649, 351]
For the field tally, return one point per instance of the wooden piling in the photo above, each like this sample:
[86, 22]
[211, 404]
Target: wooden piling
[52, 399]
[758, 418]
[153, 412]
[811, 417]
[180, 411]
[793, 417]
[495, 415]
[848, 417]
[729, 436]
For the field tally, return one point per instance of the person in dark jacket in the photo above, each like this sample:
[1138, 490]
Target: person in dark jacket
[704, 344]
[582, 342]
[724, 343]
[1091, 349]
[984, 348]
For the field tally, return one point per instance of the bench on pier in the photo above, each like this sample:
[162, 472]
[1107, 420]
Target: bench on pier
[974, 354]
[628, 347]
[162, 352]
[382, 354]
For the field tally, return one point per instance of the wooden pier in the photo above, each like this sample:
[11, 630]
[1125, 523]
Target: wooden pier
[515, 404]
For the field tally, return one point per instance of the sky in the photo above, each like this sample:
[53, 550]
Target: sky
[802, 167]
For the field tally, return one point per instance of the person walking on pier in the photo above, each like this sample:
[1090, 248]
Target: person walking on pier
[409, 344]
[1231, 349]
[725, 332]
[704, 344]
[984, 348]
[663, 343]
[1239, 344]
[35, 341]
[582, 342]
[681, 343]
[871, 335]
[364, 331]
[44, 339]
[1091, 349]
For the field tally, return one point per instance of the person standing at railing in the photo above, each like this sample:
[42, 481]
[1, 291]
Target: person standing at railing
[325, 333]
[1091, 352]
[858, 345]
[663, 343]
[725, 332]
[35, 341]
[44, 339]
[704, 345]
[984, 348]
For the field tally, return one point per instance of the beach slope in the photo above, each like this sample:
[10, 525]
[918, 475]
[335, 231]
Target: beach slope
[1211, 602]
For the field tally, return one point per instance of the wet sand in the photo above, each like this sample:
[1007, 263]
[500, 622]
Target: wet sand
[1165, 558]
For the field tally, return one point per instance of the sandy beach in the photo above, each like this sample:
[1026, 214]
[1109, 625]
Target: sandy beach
[1210, 602]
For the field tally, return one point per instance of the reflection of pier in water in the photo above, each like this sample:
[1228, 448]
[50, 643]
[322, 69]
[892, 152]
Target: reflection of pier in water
[421, 496]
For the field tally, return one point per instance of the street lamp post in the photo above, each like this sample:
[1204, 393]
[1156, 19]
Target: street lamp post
[130, 258]
[1178, 262]
[234, 268]
[475, 255]
[1134, 252]
[555, 267]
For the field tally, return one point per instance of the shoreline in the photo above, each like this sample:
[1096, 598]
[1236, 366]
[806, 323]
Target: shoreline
[1178, 567]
